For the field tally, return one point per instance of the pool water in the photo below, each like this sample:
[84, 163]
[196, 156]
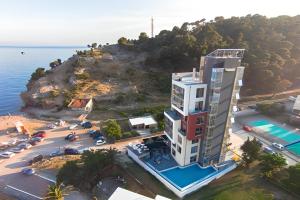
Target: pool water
[181, 177]
[279, 132]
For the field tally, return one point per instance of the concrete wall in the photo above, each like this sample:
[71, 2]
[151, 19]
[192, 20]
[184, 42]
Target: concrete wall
[178, 192]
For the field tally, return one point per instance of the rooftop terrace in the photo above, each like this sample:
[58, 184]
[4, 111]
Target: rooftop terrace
[187, 77]
[226, 53]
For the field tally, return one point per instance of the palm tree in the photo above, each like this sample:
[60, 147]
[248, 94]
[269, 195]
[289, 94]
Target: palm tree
[55, 192]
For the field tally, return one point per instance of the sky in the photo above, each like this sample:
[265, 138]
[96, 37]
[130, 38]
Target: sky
[79, 22]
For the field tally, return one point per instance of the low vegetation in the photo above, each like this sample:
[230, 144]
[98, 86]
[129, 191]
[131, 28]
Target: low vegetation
[271, 109]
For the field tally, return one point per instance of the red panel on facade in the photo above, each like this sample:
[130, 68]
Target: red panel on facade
[193, 125]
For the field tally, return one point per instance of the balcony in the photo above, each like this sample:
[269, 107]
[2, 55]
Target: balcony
[182, 132]
[172, 115]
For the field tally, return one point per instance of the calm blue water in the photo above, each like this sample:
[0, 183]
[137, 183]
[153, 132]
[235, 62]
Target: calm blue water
[182, 177]
[279, 132]
[15, 71]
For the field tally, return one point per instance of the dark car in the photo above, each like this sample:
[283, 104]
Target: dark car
[28, 171]
[33, 142]
[41, 134]
[70, 151]
[69, 136]
[97, 134]
[36, 159]
[91, 132]
[87, 125]
[73, 138]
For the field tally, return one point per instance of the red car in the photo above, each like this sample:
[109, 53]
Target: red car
[41, 134]
[247, 128]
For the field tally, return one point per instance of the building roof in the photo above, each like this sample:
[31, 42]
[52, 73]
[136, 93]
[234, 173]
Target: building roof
[78, 103]
[147, 120]
[121, 193]
[297, 103]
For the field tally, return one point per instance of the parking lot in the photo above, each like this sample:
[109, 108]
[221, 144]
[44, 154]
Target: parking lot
[239, 136]
[13, 182]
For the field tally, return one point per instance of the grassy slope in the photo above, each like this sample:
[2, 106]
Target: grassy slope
[241, 184]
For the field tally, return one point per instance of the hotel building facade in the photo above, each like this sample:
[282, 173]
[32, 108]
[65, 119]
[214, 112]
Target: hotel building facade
[202, 102]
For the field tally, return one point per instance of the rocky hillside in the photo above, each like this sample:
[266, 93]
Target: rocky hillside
[114, 77]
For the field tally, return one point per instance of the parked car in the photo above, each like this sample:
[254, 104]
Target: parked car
[100, 137]
[87, 124]
[73, 138]
[7, 154]
[97, 134]
[268, 150]
[25, 145]
[28, 171]
[70, 151]
[55, 153]
[68, 136]
[51, 126]
[36, 159]
[33, 142]
[73, 126]
[278, 146]
[247, 128]
[17, 150]
[91, 132]
[38, 139]
[254, 107]
[100, 142]
[41, 134]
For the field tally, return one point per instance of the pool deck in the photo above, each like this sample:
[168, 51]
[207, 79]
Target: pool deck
[158, 171]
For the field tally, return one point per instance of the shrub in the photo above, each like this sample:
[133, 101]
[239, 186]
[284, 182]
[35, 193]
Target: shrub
[83, 76]
[39, 72]
[130, 134]
[54, 93]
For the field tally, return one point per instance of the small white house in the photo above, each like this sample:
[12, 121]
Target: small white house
[146, 122]
[296, 107]
[84, 105]
[121, 193]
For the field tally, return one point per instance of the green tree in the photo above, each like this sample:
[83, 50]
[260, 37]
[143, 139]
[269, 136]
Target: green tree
[250, 150]
[123, 41]
[55, 192]
[39, 72]
[143, 36]
[293, 179]
[272, 163]
[112, 129]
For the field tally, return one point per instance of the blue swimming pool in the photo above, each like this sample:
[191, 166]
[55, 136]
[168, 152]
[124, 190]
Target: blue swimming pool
[279, 132]
[182, 177]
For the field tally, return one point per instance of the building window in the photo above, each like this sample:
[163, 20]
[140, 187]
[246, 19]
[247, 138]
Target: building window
[198, 105]
[194, 149]
[199, 92]
[179, 149]
[173, 152]
[200, 120]
[193, 158]
[198, 131]
[194, 141]
[179, 139]
[174, 144]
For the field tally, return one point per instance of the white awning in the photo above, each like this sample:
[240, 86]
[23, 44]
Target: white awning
[147, 120]
[297, 103]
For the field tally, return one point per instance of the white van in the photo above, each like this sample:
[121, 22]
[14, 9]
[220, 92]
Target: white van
[278, 146]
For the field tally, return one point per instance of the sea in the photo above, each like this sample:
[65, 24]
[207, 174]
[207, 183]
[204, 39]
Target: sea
[16, 69]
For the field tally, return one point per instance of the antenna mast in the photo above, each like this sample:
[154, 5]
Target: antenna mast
[152, 27]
